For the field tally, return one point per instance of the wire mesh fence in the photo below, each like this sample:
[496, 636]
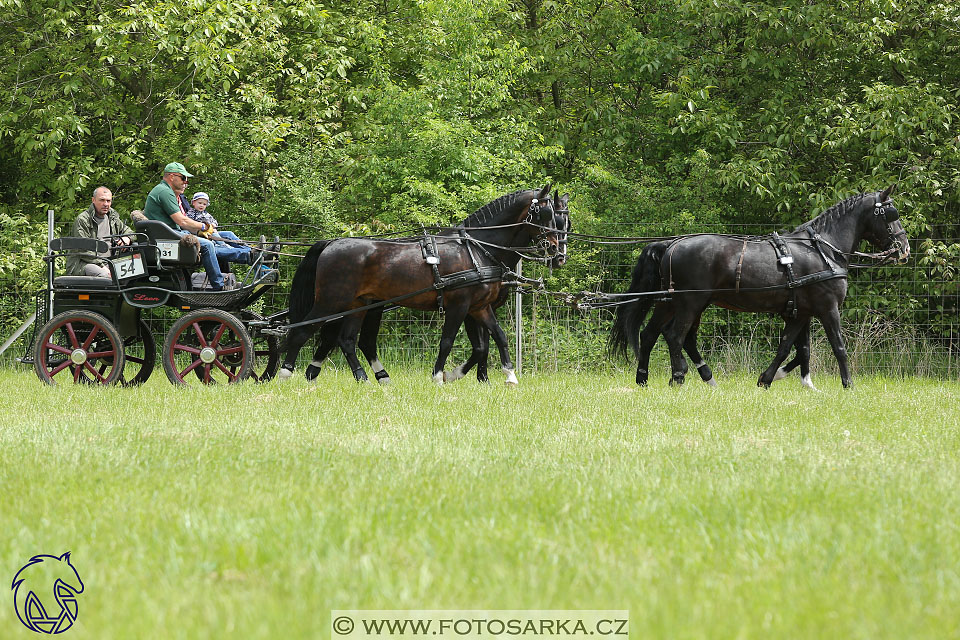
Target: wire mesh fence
[897, 319]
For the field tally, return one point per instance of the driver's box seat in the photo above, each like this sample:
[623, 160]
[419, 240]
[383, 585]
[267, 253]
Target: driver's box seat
[174, 250]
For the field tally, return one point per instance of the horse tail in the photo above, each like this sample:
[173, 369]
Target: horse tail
[630, 315]
[304, 283]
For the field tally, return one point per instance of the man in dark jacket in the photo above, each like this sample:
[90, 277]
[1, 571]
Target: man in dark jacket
[99, 221]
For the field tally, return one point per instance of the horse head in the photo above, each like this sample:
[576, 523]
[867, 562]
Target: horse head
[883, 228]
[561, 223]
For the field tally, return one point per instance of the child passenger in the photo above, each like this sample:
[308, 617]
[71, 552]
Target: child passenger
[198, 211]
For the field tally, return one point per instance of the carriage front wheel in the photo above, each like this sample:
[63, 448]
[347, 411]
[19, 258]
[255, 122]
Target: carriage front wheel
[210, 345]
[79, 346]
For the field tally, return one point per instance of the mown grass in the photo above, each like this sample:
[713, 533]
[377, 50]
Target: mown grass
[252, 511]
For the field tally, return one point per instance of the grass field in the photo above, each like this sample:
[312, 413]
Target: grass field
[253, 511]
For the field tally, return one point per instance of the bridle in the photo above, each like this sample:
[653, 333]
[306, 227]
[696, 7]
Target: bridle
[891, 216]
[543, 214]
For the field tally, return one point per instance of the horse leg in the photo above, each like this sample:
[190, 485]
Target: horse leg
[477, 338]
[328, 340]
[831, 324]
[648, 338]
[348, 344]
[802, 359]
[296, 338]
[690, 346]
[451, 325]
[676, 334]
[369, 331]
[489, 321]
[790, 333]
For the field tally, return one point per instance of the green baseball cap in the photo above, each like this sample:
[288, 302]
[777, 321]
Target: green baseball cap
[177, 167]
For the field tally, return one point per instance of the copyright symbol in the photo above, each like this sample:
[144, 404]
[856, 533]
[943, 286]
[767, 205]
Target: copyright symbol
[343, 626]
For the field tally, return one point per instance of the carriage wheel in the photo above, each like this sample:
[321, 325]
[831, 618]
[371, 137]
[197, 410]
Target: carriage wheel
[266, 351]
[210, 344]
[140, 356]
[79, 346]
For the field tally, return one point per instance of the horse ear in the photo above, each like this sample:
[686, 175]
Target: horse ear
[543, 192]
[886, 193]
[65, 557]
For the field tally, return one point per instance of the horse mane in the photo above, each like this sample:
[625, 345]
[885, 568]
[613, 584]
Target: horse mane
[835, 212]
[490, 211]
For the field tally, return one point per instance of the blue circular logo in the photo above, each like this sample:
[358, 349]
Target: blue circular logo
[45, 593]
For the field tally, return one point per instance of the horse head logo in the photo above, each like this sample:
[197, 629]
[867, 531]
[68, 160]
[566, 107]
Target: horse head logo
[40, 587]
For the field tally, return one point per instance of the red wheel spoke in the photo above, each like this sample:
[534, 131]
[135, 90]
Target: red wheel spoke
[58, 348]
[93, 334]
[219, 334]
[71, 335]
[187, 348]
[193, 365]
[63, 365]
[229, 350]
[94, 372]
[76, 373]
[232, 377]
[206, 374]
[199, 332]
[101, 354]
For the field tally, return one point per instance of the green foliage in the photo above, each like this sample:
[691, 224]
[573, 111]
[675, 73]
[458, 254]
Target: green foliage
[22, 247]
[683, 115]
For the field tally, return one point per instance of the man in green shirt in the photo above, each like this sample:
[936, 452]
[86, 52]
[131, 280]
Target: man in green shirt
[99, 221]
[163, 204]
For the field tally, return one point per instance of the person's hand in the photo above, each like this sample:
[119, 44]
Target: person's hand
[206, 230]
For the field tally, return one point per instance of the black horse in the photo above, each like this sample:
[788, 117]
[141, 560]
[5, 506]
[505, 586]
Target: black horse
[800, 275]
[341, 277]
[629, 316]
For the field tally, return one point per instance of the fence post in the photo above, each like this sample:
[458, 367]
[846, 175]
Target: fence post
[50, 266]
[518, 318]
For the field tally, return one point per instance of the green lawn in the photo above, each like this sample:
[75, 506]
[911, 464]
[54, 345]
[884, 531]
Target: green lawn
[252, 511]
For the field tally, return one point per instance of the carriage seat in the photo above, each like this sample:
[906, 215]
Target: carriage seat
[83, 282]
[160, 234]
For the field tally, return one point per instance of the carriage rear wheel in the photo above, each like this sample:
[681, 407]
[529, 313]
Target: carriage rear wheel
[79, 346]
[140, 356]
[211, 345]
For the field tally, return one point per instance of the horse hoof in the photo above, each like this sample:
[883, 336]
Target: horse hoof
[284, 374]
[384, 381]
[439, 378]
[712, 382]
[779, 375]
[512, 384]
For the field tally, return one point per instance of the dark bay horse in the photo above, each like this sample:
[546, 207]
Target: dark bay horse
[345, 275]
[802, 277]
[478, 334]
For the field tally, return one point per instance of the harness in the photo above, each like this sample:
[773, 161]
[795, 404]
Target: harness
[784, 257]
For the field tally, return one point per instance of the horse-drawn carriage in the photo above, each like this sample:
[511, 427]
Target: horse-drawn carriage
[92, 330]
